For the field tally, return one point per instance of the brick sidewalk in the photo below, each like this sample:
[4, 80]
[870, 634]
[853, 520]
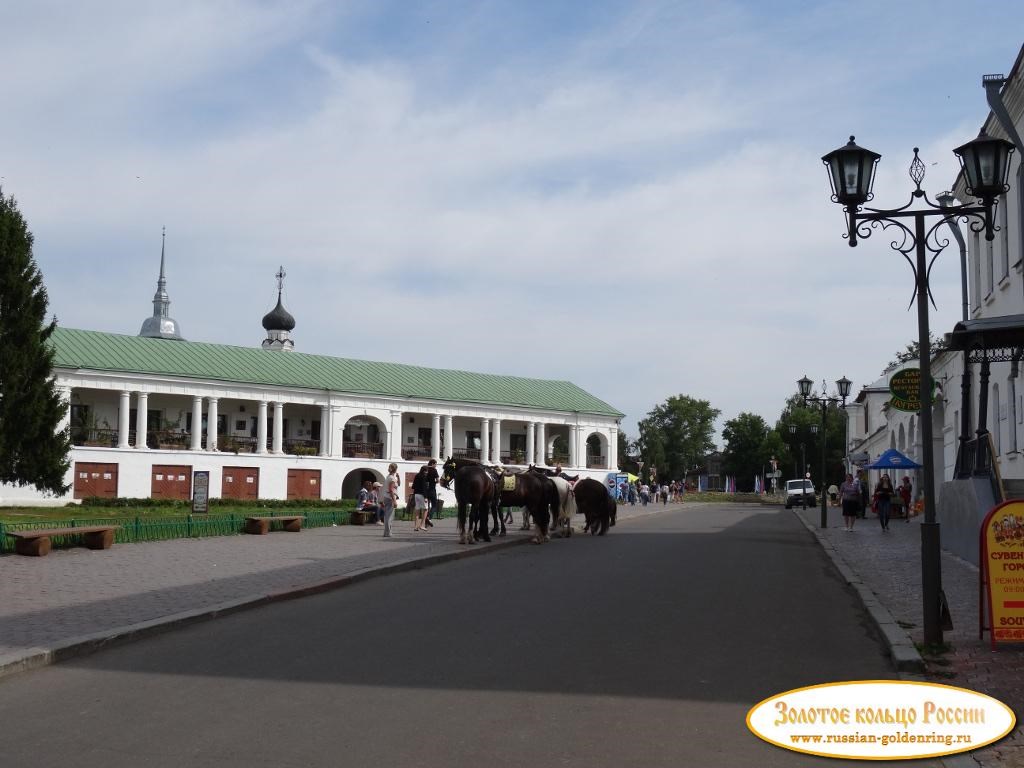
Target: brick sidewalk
[889, 565]
[77, 599]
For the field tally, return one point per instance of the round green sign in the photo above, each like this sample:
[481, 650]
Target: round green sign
[905, 387]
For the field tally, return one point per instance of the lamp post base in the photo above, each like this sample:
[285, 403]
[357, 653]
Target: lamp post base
[931, 583]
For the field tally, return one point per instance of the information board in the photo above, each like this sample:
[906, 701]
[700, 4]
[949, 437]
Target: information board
[1002, 560]
[200, 492]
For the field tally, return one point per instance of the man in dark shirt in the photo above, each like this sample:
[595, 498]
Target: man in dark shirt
[432, 479]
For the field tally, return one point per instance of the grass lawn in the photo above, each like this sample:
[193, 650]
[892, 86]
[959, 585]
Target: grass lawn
[78, 512]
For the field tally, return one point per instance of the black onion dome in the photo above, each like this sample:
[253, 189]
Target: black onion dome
[278, 319]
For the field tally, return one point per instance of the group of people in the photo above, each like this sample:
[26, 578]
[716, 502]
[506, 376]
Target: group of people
[853, 495]
[630, 493]
[381, 499]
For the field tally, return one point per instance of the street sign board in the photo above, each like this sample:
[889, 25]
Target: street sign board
[905, 387]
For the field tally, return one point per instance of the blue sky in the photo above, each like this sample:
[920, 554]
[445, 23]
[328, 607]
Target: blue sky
[627, 195]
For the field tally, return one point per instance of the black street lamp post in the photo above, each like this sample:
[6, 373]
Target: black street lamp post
[985, 162]
[824, 400]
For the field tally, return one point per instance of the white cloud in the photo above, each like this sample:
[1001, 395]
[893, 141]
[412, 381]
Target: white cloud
[640, 236]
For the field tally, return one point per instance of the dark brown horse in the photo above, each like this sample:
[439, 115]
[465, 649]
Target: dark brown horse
[536, 493]
[474, 487]
[596, 504]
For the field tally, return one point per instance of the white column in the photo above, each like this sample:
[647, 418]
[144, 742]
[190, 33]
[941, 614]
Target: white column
[211, 424]
[613, 449]
[435, 437]
[449, 436]
[65, 418]
[261, 428]
[394, 452]
[197, 424]
[485, 440]
[325, 432]
[496, 447]
[337, 431]
[278, 428]
[531, 443]
[141, 419]
[124, 423]
[542, 449]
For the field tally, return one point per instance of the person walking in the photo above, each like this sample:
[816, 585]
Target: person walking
[883, 497]
[849, 494]
[432, 480]
[906, 492]
[419, 499]
[389, 498]
[862, 478]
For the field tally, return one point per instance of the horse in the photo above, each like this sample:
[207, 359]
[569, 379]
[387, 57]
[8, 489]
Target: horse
[566, 499]
[596, 504]
[475, 487]
[535, 493]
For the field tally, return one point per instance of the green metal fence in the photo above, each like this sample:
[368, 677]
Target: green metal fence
[144, 528]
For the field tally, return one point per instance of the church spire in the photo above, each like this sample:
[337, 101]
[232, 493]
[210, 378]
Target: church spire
[278, 322]
[161, 325]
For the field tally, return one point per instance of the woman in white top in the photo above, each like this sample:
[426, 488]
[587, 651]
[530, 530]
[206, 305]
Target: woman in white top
[388, 498]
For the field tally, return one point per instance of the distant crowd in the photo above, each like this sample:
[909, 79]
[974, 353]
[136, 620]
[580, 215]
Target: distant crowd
[652, 493]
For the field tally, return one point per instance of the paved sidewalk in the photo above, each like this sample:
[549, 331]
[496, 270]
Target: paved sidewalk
[75, 600]
[886, 569]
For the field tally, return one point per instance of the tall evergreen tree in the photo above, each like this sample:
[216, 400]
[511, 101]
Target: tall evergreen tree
[32, 450]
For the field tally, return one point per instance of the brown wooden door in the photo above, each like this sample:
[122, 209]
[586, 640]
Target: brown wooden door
[303, 483]
[172, 481]
[409, 477]
[93, 479]
[240, 483]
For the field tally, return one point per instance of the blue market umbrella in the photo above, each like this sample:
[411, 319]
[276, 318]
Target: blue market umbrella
[893, 459]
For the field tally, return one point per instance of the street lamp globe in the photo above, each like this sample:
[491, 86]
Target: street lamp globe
[851, 171]
[986, 163]
[843, 385]
[805, 385]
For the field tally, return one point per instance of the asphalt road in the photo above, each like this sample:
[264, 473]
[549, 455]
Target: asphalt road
[643, 648]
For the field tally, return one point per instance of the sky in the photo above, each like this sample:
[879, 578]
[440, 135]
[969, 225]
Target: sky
[627, 195]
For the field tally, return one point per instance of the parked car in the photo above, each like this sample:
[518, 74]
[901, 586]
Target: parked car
[796, 490]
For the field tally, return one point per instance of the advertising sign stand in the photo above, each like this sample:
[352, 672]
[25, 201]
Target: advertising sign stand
[1001, 590]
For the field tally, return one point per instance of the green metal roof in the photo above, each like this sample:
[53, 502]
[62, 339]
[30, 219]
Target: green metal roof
[97, 351]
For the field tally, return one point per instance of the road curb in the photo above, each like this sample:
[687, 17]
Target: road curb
[41, 656]
[902, 651]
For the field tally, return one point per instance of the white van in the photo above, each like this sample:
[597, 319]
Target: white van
[796, 490]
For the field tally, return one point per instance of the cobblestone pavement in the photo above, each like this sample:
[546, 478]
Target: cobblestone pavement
[889, 564]
[77, 598]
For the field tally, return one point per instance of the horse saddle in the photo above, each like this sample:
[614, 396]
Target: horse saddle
[508, 482]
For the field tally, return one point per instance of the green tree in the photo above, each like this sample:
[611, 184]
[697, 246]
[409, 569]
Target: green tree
[676, 435]
[627, 449]
[32, 450]
[913, 351]
[746, 448]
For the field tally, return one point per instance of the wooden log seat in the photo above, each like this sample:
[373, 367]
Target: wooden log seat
[259, 526]
[38, 543]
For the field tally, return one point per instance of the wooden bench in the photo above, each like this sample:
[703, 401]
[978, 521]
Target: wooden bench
[37, 543]
[258, 526]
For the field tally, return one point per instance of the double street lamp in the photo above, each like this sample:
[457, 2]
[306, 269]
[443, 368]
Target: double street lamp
[824, 400]
[985, 163]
